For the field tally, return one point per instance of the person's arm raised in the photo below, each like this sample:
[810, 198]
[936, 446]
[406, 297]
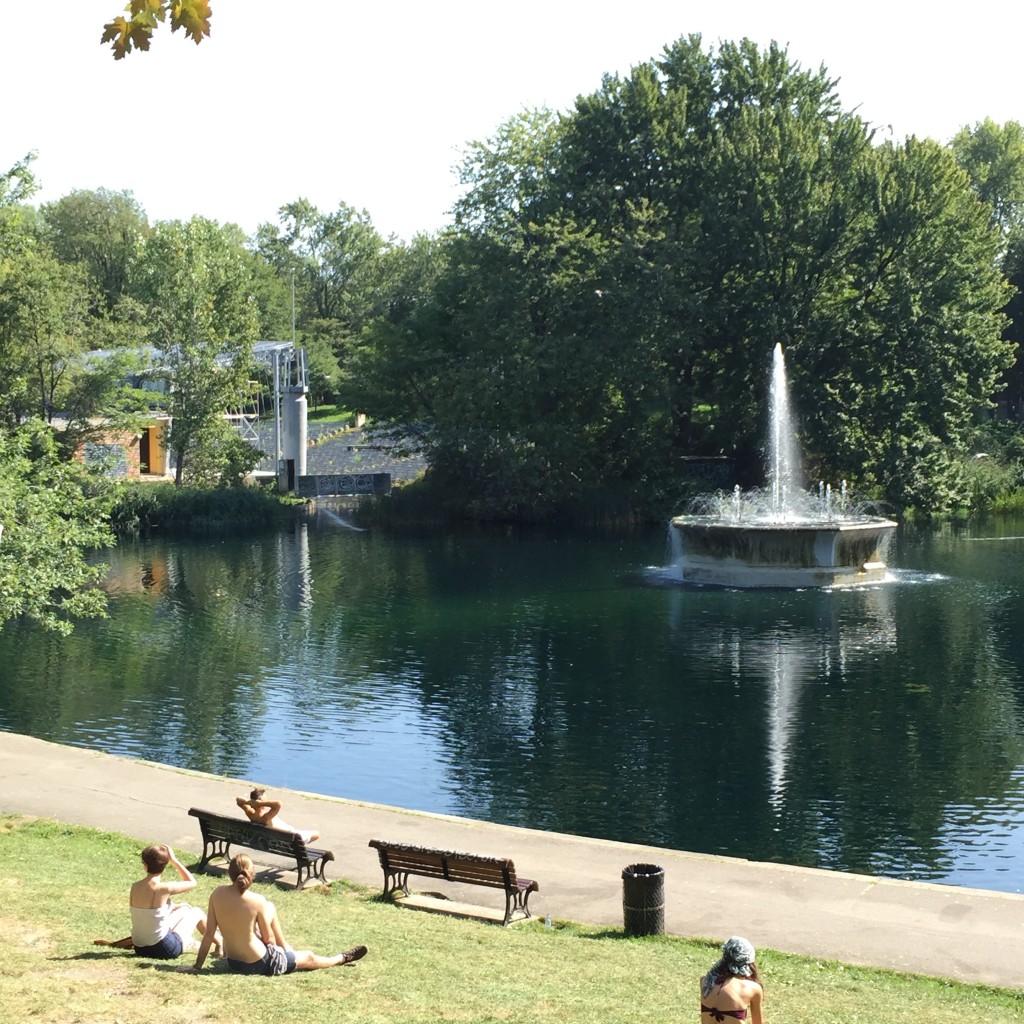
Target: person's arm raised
[188, 880]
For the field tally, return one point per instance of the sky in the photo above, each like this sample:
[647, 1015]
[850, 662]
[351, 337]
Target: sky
[372, 104]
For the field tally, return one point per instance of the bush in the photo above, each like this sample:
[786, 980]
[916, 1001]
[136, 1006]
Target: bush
[143, 509]
[995, 471]
[988, 480]
[1009, 504]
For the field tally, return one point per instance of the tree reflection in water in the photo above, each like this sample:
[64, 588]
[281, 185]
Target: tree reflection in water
[550, 682]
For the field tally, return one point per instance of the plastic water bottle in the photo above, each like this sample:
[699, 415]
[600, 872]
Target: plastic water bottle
[547, 921]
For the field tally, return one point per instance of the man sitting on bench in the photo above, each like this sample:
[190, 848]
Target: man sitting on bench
[266, 812]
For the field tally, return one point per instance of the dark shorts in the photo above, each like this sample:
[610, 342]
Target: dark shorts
[275, 961]
[168, 948]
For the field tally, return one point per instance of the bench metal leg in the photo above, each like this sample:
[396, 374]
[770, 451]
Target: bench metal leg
[312, 869]
[395, 881]
[516, 906]
[214, 848]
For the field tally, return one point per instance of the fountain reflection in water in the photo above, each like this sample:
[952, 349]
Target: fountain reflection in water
[784, 536]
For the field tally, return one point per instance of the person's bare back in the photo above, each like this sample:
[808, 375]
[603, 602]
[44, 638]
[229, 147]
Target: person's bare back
[251, 931]
[242, 918]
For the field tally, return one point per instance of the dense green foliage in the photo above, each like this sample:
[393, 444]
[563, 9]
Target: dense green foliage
[147, 509]
[993, 157]
[52, 512]
[52, 515]
[620, 275]
[101, 230]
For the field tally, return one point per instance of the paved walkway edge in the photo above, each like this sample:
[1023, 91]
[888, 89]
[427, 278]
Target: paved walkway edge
[969, 935]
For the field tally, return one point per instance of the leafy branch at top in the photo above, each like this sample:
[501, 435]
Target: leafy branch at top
[136, 31]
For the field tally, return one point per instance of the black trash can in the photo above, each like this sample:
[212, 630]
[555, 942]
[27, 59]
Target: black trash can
[643, 899]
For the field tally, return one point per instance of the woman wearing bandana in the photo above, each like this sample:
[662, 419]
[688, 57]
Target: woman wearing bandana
[731, 990]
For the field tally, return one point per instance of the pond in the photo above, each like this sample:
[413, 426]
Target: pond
[565, 682]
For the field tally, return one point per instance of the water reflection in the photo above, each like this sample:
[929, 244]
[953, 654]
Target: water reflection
[542, 682]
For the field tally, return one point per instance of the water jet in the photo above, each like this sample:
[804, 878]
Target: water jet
[783, 537]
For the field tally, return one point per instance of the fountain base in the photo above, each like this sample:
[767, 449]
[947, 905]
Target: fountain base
[781, 554]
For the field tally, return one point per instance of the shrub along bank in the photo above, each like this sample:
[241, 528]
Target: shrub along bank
[144, 509]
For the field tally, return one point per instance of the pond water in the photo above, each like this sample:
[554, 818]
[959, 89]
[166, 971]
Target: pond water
[566, 683]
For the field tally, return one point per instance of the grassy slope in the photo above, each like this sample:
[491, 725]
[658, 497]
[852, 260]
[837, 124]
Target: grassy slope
[62, 886]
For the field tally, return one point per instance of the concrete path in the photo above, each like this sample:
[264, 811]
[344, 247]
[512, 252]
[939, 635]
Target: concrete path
[966, 934]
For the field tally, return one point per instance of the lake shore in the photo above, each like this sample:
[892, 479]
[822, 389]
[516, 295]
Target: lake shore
[969, 935]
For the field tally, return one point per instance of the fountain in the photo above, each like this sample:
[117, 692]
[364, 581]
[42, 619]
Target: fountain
[784, 537]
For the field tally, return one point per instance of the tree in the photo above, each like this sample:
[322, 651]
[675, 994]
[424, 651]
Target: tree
[52, 515]
[907, 340]
[44, 325]
[272, 292]
[620, 275]
[322, 365]
[335, 261]
[18, 182]
[394, 363]
[136, 31]
[16, 185]
[193, 276]
[500, 350]
[46, 330]
[101, 229]
[993, 157]
[1013, 267]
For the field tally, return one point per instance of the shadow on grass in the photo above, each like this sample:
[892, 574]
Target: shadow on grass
[619, 933]
[213, 966]
[281, 878]
[97, 954]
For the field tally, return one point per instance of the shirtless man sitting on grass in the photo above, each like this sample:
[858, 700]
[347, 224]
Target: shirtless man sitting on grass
[267, 812]
[251, 931]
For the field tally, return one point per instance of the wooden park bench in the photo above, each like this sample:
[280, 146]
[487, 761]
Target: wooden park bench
[221, 832]
[400, 860]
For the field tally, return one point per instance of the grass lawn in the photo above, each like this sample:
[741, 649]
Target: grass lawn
[63, 885]
[329, 414]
